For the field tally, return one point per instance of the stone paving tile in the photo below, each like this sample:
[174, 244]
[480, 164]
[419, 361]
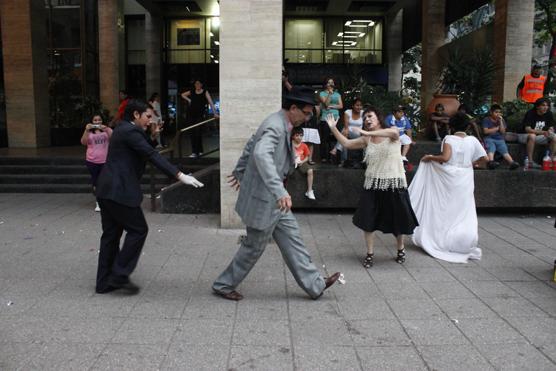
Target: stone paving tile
[327, 357]
[465, 308]
[415, 309]
[446, 290]
[67, 356]
[317, 332]
[364, 308]
[146, 331]
[389, 317]
[434, 332]
[130, 357]
[539, 331]
[209, 332]
[399, 358]
[196, 357]
[377, 333]
[489, 331]
[514, 307]
[260, 358]
[461, 357]
[261, 332]
[516, 357]
[15, 355]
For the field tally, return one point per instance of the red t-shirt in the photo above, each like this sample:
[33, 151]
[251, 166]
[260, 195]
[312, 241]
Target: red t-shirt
[301, 151]
[121, 109]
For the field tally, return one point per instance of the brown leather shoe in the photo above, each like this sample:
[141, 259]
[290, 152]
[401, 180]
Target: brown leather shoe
[331, 280]
[233, 295]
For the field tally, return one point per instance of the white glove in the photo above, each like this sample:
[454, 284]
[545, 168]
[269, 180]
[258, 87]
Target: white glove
[189, 180]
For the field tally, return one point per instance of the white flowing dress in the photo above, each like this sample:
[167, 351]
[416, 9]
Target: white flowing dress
[443, 200]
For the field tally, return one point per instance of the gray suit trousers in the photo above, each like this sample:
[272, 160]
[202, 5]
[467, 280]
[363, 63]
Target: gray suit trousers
[285, 231]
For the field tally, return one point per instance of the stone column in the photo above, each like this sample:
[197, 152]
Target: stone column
[111, 68]
[434, 36]
[513, 45]
[153, 45]
[24, 43]
[394, 29]
[250, 58]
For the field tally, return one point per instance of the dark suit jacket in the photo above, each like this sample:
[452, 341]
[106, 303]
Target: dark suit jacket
[120, 178]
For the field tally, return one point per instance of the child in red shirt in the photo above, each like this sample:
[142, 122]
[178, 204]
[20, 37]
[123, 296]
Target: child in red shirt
[301, 159]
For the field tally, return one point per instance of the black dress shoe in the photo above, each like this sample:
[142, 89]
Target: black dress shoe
[128, 287]
[105, 290]
[331, 280]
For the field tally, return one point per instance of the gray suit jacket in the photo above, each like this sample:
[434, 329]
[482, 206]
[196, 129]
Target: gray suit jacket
[266, 161]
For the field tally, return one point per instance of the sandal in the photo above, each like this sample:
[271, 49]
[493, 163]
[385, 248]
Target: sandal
[368, 261]
[401, 256]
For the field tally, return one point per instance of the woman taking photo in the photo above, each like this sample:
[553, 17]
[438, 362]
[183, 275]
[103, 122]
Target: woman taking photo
[384, 204]
[96, 137]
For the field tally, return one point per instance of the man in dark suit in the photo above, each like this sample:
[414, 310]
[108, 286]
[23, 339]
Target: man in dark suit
[119, 196]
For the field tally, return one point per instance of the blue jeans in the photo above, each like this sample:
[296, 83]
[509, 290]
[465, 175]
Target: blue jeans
[496, 145]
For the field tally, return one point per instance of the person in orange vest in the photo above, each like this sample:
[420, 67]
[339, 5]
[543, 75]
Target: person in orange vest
[532, 86]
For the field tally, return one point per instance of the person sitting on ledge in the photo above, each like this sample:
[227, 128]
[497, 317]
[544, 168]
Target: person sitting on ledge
[494, 129]
[438, 124]
[537, 127]
[302, 158]
[398, 119]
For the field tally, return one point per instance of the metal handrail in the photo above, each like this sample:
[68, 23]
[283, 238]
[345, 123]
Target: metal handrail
[175, 144]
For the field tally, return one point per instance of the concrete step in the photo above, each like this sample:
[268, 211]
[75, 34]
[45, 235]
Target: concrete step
[60, 188]
[65, 179]
[44, 169]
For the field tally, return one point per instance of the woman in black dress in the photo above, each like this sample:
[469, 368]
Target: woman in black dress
[384, 204]
[198, 98]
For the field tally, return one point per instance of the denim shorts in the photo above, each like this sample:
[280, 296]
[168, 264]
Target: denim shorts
[496, 145]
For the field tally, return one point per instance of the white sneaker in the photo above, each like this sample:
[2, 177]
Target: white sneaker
[97, 208]
[310, 195]
[534, 165]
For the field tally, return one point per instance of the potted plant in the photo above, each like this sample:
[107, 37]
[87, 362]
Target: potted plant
[465, 78]
[513, 112]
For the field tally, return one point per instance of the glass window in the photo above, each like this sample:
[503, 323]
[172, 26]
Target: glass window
[304, 40]
[194, 41]
[135, 33]
[333, 40]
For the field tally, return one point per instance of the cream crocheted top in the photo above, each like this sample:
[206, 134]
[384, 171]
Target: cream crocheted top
[384, 166]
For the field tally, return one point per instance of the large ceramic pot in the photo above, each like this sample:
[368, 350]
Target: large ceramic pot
[449, 101]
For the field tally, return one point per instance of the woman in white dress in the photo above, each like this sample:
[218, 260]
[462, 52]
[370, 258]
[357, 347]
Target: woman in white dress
[442, 197]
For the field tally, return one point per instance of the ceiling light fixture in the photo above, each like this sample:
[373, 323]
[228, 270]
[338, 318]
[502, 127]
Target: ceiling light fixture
[344, 43]
[351, 34]
[360, 23]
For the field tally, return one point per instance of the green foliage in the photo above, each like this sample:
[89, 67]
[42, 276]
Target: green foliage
[469, 76]
[380, 98]
[513, 112]
[545, 21]
[68, 108]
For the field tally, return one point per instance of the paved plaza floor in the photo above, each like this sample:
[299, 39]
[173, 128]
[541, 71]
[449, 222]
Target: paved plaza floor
[495, 314]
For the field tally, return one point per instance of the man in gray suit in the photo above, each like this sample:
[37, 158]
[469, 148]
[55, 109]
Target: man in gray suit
[264, 203]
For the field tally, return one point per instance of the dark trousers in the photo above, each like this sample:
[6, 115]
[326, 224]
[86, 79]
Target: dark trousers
[196, 136]
[115, 263]
[326, 142]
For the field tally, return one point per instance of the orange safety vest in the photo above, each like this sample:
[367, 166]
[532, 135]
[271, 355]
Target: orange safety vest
[532, 88]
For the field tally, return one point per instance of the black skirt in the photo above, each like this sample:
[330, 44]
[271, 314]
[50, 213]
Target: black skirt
[386, 211]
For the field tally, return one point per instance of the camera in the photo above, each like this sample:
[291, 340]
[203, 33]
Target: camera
[93, 127]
